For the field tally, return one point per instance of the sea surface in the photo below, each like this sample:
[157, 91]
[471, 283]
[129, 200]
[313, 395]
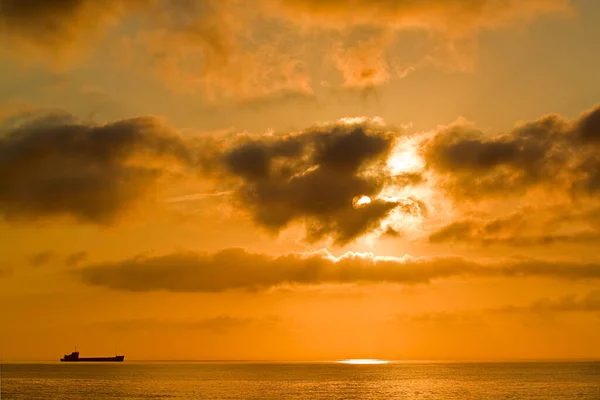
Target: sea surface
[246, 380]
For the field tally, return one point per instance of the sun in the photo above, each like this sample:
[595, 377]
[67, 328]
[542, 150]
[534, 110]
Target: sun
[362, 201]
[363, 361]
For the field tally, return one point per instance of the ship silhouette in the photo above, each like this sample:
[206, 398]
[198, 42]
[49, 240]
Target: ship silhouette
[74, 357]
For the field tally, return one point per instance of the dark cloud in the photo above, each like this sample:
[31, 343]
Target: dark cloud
[236, 269]
[314, 177]
[472, 233]
[517, 230]
[553, 161]
[550, 269]
[49, 21]
[232, 269]
[47, 257]
[54, 165]
[42, 258]
[74, 259]
[56, 25]
[588, 127]
[454, 232]
[550, 153]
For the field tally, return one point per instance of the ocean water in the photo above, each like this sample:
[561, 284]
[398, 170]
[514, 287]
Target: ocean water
[225, 380]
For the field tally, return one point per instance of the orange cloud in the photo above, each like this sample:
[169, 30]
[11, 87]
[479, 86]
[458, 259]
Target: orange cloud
[203, 46]
[225, 49]
[364, 64]
[454, 24]
[452, 17]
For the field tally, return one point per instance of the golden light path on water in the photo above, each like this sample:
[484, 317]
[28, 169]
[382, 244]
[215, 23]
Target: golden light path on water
[364, 361]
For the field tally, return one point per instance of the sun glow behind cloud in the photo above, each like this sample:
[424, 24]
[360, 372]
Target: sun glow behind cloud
[404, 159]
[405, 163]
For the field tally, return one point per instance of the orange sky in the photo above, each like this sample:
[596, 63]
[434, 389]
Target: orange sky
[300, 180]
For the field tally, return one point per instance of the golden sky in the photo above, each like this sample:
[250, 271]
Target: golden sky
[300, 179]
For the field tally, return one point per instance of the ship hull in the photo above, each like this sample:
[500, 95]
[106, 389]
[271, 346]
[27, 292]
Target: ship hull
[95, 359]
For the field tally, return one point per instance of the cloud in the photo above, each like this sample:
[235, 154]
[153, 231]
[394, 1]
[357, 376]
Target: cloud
[522, 228]
[552, 153]
[535, 185]
[61, 22]
[236, 269]
[193, 45]
[59, 26]
[452, 17]
[232, 269]
[315, 177]
[55, 165]
[472, 232]
[279, 66]
[42, 258]
[76, 258]
[248, 51]
[547, 269]
[209, 57]
[363, 65]
[452, 25]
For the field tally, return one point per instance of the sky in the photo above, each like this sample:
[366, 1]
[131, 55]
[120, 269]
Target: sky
[300, 179]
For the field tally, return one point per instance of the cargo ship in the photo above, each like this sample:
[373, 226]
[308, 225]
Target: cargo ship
[74, 357]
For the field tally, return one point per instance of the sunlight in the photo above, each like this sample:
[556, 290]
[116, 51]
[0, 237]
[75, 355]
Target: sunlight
[361, 201]
[364, 361]
[405, 160]
[362, 120]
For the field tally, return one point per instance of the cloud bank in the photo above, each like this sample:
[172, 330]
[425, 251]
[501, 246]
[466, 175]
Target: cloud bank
[237, 269]
[205, 45]
[339, 181]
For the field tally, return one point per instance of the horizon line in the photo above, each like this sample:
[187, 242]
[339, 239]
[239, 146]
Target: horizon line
[390, 360]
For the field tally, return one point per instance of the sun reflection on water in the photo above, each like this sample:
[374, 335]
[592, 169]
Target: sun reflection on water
[364, 361]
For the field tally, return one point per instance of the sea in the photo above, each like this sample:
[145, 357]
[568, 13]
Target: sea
[301, 380]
